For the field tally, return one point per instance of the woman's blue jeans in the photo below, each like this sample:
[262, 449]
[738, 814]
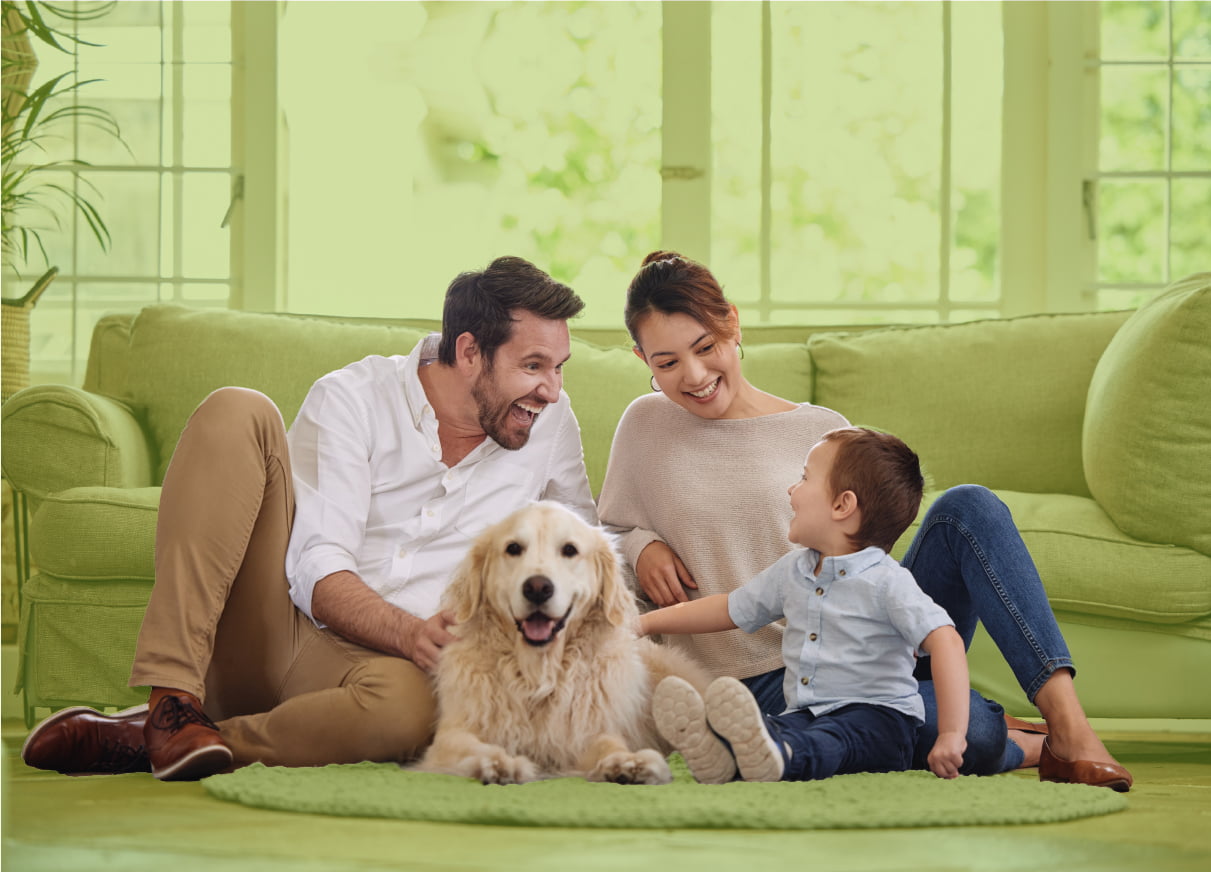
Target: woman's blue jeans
[969, 557]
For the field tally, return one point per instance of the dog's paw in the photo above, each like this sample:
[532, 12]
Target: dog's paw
[632, 767]
[497, 766]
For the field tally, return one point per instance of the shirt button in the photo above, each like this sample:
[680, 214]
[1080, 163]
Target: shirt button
[403, 552]
[804, 680]
[429, 512]
[812, 637]
[842, 572]
[819, 591]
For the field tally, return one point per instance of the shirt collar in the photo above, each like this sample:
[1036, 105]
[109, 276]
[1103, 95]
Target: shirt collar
[424, 352]
[842, 566]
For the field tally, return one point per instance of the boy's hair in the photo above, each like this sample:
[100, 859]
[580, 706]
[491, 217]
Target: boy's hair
[482, 302]
[885, 476]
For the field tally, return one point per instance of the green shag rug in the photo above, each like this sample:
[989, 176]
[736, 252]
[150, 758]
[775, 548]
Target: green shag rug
[866, 801]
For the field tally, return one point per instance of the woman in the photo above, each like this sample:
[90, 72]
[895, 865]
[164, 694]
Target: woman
[686, 489]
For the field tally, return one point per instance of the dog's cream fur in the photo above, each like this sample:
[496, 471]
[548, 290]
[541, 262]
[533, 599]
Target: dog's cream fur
[516, 703]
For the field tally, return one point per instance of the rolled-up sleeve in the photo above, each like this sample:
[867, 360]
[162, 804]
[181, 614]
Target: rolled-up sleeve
[329, 452]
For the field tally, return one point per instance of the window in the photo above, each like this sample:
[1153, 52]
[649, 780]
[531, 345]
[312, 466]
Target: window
[831, 162]
[435, 137]
[164, 72]
[1151, 216]
[856, 162]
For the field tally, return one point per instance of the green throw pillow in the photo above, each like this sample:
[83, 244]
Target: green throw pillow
[997, 402]
[1147, 434]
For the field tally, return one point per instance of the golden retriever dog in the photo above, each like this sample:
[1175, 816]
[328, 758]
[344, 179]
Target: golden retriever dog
[547, 677]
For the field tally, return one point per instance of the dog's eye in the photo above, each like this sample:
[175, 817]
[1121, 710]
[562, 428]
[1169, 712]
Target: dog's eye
[514, 549]
[570, 550]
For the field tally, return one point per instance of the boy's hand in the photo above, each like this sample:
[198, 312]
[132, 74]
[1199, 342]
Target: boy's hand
[946, 756]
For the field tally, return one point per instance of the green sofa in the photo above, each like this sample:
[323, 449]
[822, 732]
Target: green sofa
[1094, 428]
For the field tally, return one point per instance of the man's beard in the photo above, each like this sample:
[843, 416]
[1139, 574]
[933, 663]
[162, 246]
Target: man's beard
[495, 413]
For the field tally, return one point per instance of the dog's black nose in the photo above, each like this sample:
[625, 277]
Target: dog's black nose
[538, 589]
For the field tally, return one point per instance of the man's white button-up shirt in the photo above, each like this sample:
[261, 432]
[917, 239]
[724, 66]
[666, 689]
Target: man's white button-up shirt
[373, 497]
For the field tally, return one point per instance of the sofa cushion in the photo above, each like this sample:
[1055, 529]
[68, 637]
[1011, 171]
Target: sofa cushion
[178, 356]
[1147, 435]
[601, 383]
[781, 368]
[997, 403]
[1089, 566]
[97, 533]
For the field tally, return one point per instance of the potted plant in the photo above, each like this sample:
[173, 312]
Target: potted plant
[33, 198]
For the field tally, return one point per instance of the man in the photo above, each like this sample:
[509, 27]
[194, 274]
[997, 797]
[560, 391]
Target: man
[295, 613]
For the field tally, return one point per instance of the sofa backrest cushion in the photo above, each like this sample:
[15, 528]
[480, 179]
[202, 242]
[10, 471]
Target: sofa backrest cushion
[108, 356]
[1147, 434]
[178, 356]
[998, 403]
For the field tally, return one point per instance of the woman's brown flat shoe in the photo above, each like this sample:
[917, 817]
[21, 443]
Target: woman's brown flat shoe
[1053, 768]
[1025, 726]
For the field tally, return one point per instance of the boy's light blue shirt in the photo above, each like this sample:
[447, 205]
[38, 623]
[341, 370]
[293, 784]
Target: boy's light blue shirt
[851, 632]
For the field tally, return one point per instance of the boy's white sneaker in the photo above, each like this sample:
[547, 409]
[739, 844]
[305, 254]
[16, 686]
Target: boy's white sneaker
[681, 718]
[733, 713]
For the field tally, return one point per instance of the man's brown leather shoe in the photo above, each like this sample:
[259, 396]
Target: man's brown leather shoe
[183, 744]
[1053, 768]
[83, 741]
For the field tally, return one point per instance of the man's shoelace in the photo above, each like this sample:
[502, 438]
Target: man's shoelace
[118, 757]
[172, 714]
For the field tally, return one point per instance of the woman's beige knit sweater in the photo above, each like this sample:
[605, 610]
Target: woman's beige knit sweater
[715, 491]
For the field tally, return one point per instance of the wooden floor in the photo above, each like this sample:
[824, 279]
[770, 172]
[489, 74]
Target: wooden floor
[133, 822]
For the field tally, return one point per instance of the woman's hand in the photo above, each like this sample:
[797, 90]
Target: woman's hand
[946, 756]
[662, 575]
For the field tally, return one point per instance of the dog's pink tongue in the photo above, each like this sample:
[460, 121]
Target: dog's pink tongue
[538, 627]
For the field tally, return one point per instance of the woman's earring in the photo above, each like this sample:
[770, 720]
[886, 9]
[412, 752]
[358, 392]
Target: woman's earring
[740, 350]
[655, 386]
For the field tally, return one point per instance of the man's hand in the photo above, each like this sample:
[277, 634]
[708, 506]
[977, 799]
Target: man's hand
[350, 608]
[946, 756]
[424, 640]
[662, 575]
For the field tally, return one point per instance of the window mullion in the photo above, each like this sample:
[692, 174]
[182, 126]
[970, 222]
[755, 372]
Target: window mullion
[944, 214]
[686, 129]
[765, 239]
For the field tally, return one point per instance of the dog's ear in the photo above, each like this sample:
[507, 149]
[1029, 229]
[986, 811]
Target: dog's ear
[616, 601]
[466, 587]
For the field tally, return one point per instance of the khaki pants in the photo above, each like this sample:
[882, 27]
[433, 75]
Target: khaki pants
[221, 625]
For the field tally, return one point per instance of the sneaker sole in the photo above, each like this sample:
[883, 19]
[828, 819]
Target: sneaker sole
[196, 765]
[63, 714]
[734, 714]
[681, 718]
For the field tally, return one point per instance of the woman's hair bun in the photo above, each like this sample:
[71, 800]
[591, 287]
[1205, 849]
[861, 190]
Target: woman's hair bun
[661, 255]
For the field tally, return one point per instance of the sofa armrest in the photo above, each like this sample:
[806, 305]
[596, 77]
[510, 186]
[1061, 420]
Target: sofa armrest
[58, 437]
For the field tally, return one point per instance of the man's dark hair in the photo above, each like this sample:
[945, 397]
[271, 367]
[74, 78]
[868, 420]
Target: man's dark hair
[885, 476]
[480, 303]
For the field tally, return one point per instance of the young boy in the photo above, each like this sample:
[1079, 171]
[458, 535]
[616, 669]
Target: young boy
[855, 620]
